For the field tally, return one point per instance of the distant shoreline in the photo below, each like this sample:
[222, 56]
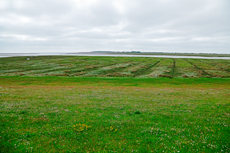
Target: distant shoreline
[124, 54]
[157, 53]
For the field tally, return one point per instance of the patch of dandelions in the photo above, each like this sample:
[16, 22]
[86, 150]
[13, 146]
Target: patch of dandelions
[110, 129]
[81, 127]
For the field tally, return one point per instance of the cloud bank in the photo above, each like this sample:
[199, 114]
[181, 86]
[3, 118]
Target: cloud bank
[116, 25]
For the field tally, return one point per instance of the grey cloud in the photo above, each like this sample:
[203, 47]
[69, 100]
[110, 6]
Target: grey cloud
[85, 25]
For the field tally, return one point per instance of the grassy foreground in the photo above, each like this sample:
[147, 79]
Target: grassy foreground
[80, 114]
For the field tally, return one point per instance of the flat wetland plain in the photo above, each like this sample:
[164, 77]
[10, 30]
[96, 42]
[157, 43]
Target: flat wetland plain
[114, 104]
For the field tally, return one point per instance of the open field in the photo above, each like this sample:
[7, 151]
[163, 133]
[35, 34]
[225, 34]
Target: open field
[75, 66]
[42, 114]
[114, 104]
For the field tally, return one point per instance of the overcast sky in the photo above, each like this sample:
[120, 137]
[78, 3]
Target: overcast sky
[198, 26]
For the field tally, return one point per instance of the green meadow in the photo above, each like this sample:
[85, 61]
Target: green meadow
[114, 104]
[83, 66]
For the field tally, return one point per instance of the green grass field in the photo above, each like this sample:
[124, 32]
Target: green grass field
[76, 66]
[108, 104]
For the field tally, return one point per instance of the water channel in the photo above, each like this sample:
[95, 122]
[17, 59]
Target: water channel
[2, 55]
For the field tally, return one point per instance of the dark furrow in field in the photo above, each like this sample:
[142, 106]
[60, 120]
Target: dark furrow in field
[173, 68]
[200, 70]
[144, 71]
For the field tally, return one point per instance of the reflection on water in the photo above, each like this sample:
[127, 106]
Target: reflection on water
[104, 54]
